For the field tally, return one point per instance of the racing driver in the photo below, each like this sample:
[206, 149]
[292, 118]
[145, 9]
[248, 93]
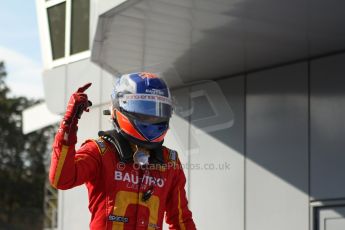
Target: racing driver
[132, 179]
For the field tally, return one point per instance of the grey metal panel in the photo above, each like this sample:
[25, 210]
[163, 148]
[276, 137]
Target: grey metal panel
[328, 127]
[277, 149]
[335, 224]
[325, 22]
[107, 83]
[217, 161]
[177, 136]
[331, 218]
[81, 72]
[54, 82]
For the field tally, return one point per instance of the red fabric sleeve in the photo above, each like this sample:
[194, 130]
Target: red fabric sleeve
[178, 215]
[70, 168]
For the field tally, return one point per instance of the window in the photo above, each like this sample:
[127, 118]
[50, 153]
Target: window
[69, 22]
[56, 21]
[80, 26]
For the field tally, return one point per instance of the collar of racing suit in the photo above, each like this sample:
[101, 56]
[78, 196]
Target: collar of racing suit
[124, 149]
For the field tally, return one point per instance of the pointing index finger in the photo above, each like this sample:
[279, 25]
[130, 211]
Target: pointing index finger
[83, 88]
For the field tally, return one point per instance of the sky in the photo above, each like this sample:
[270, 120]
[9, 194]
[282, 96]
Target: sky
[20, 47]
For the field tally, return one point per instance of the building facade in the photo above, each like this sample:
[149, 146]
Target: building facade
[259, 88]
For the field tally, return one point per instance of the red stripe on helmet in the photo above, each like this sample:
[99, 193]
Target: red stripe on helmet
[127, 127]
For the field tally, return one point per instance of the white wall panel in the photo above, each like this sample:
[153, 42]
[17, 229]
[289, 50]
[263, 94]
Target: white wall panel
[177, 136]
[328, 127]
[107, 85]
[277, 149]
[37, 117]
[106, 123]
[73, 210]
[54, 82]
[89, 125]
[217, 161]
[82, 72]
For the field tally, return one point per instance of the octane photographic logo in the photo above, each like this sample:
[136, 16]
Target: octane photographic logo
[205, 107]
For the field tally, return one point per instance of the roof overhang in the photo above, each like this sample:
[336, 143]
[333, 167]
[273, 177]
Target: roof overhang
[207, 39]
[38, 117]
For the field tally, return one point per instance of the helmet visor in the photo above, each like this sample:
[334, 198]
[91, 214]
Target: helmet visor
[148, 105]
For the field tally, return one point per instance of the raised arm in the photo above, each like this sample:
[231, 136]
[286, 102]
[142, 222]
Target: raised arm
[70, 168]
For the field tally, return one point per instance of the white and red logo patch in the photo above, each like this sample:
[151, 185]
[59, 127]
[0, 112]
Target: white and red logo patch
[144, 75]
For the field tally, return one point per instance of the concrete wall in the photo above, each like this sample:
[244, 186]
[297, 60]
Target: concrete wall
[284, 147]
[60, 82]
[327, 128]
[216, 156]
[277, 149]
[279, 130]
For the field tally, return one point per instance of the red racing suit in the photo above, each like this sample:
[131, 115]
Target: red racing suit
[115, 189]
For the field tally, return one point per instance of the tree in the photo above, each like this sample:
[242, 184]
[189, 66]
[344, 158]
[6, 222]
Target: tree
[22, 163]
